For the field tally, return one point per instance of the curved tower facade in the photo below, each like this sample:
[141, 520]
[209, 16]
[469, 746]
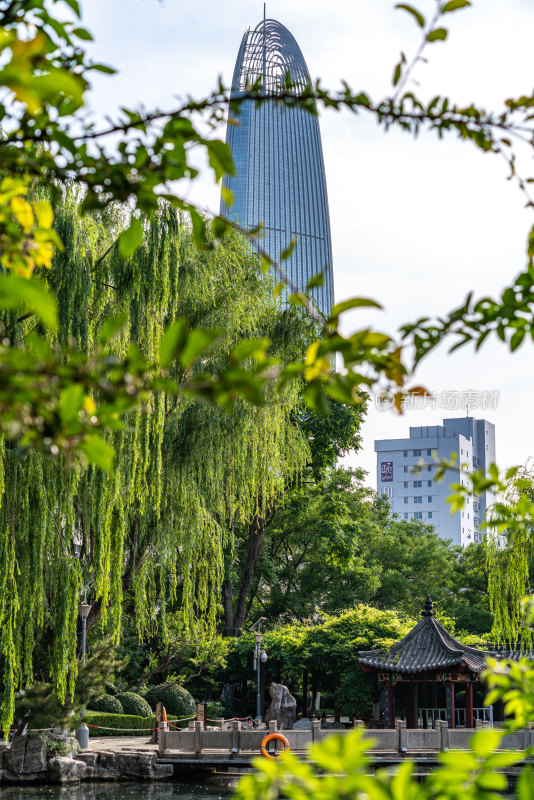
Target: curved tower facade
[280, 178]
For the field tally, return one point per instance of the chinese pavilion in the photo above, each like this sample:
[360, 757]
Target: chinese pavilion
[423, 675]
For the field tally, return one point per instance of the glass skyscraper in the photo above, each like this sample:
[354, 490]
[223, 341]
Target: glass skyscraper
[280, 178]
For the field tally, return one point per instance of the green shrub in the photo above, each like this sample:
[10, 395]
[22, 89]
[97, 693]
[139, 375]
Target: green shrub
[133, 703]
[107, 704]
[216, 710]
[121, 722]
[177, 700]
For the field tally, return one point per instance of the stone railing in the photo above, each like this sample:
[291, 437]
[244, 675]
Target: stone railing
[233, 738]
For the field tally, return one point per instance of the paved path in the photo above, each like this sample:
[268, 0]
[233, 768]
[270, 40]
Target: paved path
[138, 744]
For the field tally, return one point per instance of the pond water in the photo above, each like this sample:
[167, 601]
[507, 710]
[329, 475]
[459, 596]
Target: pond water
[115, 791]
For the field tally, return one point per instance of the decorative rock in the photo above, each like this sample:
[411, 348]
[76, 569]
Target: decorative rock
[162, 771]
[303, 724]
[35, 755]
[88, 757]
[283, 707]
[136, 765]
[66, 770]
[14, 757]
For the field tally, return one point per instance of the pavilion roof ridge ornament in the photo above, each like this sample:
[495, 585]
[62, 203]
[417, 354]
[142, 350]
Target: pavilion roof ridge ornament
[428, 610]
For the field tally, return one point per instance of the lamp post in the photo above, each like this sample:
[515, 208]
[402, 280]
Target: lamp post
[260, 656]
[82, 732]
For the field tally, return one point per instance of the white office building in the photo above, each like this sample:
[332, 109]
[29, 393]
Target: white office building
[406, 469]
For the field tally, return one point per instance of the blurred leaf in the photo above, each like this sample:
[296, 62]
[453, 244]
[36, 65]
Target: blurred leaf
[83, 33]
[315, 280]
[17, 292]
[131, 238]
[111, 327]
[355, 302]
[172, 342]
[414, 12]
[438, 34]
[98, 452]
[454, 5]
[71, 402]
[288, 250]
[197, 342]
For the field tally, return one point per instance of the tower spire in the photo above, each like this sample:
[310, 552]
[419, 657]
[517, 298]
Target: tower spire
[264, 49]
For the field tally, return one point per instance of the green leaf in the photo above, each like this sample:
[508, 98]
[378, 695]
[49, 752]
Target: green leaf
[227, 195]
[103, 68]
[525, 784]
[288, 250]
[454, 5]
[485, 742]
[250, 348]
[71, 402]
[111, 327]
[438, 34]
[31, 294]
[83, 33]
[397, 74]
[130, 239]
[197, 343]
[517, 338]
[414, 12]
[98, 452]
[198, 225]
[172, 342]
[315, 280]
[220, 158]
[354, 302]
[75, 6]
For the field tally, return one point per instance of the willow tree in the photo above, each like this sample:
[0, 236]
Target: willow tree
[186, 473]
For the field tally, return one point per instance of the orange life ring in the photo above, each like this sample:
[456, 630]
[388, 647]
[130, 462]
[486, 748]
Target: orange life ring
[269, 738]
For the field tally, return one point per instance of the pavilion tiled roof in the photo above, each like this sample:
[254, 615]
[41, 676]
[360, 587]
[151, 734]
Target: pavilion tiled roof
[428, 646]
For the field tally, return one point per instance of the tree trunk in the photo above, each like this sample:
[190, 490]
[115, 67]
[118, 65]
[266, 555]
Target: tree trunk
[305, 693]
[337, 709]
[256, 531]
[228, 607]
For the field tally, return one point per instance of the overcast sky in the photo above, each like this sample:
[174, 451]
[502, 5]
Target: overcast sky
[415, 224]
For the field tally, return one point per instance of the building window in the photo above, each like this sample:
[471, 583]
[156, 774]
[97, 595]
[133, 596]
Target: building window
[429, 452]
[417, 452]
[477, 521]
[417, 484]
[429, 515]
[429, 483]
[462, 452]
[418, 499]
[405, 484]
[406, 469]
[406, 516]
[405, 454]
[418, 515]
[429, 498]
[429, 468]
[405, 499]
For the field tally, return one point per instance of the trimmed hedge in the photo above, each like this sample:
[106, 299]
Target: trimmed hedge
[133, 703]
[121, 721]
[177, 700]
[107, 704]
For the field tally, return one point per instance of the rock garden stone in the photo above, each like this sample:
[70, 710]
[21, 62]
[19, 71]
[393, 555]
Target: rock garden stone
[283, 707]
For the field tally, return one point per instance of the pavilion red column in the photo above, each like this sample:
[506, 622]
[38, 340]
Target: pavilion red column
[449, 694]
[389, 705]
[469, 721]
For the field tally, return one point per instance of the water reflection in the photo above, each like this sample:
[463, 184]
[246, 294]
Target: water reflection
[114, 791]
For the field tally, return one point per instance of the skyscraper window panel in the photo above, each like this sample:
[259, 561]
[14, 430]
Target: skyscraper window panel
[280, 178]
